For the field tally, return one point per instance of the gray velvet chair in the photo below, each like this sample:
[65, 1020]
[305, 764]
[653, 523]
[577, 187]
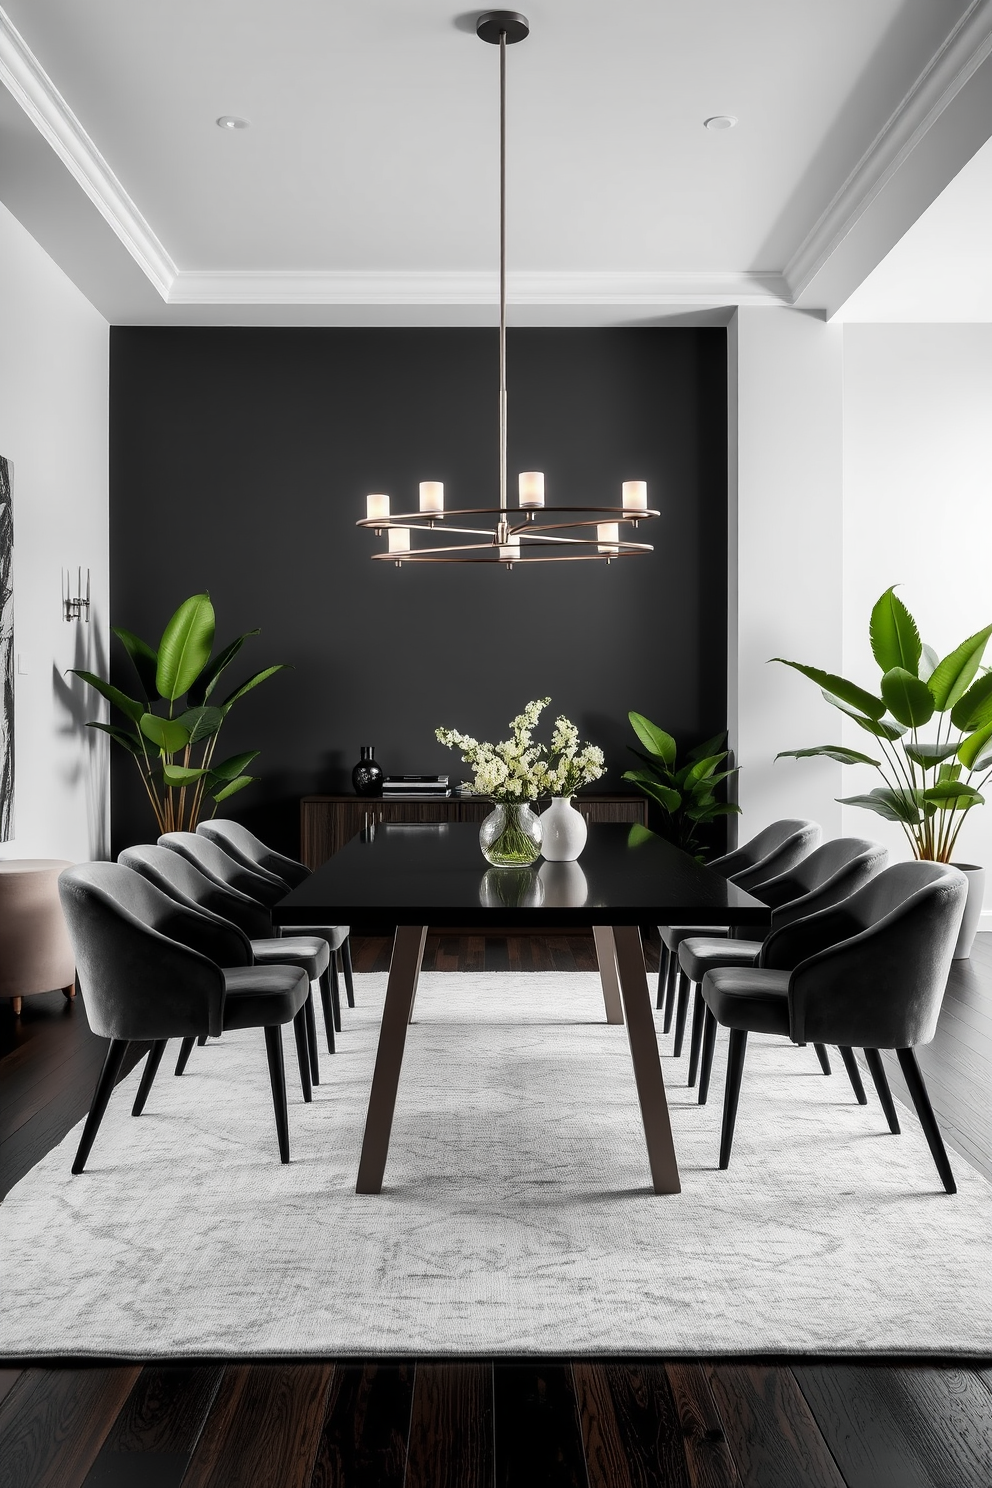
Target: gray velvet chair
[868, 973]
[253, 853]
[151, 969]
[772, 851]
[828, 875]
[183, 881]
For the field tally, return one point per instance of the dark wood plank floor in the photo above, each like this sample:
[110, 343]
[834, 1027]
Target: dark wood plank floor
[424, 1423]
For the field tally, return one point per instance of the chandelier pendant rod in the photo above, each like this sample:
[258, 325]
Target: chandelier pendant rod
[502, 272]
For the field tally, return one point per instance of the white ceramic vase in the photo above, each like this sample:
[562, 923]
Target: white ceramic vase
[972, 910]
[564, 831]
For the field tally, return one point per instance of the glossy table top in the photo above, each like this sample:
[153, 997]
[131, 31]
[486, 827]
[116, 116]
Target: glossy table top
[426, 874]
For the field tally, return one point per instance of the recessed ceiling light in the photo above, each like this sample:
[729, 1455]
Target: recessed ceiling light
[718, 121]
[229, 121]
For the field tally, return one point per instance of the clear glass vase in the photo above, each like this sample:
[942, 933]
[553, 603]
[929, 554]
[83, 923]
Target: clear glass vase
[510, 836]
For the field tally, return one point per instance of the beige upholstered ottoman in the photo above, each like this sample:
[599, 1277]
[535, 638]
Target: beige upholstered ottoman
[35, 954]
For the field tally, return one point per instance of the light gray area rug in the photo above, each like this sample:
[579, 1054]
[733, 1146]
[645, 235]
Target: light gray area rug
[516, 1217]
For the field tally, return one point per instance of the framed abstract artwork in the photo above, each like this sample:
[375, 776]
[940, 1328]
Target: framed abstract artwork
[6, 652]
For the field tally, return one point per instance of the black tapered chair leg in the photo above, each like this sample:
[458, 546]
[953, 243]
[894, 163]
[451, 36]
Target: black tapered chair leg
[277, 1080]
[201, 1040]
[698, 1014]
[303, 1052]
[349, 972]
[685, 986]
[335, 994]
[706, 1058]
[913, 1076]
[101, 1095]
[823, 1057]
[311, 1022]
[185, 1050]
[853, 1074]
[877, 1071]
[673, 970]
[663, 964]
[735, 1069]
[325, 1001]
[148, 1075]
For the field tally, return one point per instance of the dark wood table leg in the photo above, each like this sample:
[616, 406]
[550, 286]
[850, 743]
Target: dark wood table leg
[647, 1064]
[404, 969]
[607, 957]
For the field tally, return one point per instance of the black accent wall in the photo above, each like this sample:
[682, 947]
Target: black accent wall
[240, 461]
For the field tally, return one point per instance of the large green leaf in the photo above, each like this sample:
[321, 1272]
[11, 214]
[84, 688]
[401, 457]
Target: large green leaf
[131, 742]
[209, 677]
[839, 687]
[127, 705]
[711, 746]
[654, 739]
[185, 647]
[703, 769]
[952, 677]
[143, 658]
[201, 722]
[638, 835]
[670, 799]
[698, 813]
[970, 749]
[711, 781]
[166, 733]
[177, 776]
[236, 765]
[893, 805]
[261, 676]
[952, 795]
[881, 729]
[928, 755]
[895, 640]
[909, 700]
[232, 787]
[974, 709]
[836, 752]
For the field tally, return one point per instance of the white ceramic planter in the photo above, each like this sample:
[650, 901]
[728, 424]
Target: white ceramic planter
[563, 830]
[972, 910]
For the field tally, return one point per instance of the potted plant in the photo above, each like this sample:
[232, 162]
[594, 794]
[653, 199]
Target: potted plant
[930, 781]
[174, 748]
[685, 793]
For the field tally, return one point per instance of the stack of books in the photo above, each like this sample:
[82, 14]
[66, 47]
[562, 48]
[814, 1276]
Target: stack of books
[416, 785]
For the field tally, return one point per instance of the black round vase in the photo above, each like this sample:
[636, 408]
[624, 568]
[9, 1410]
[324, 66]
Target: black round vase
[366, 777]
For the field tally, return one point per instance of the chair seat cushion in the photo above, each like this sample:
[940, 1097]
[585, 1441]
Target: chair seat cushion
[673, 935]
[749, 997]
[702, 953]
[259, 996]
[334, 935]
[310, 953]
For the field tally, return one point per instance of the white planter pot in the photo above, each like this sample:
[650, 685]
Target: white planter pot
[972, 910]
[563, 830]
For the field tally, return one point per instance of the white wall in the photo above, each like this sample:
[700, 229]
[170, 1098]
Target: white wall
[917, 509]
[785, 595]
[54, 421]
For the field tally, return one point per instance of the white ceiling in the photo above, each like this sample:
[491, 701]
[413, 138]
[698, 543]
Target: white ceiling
[365, 188]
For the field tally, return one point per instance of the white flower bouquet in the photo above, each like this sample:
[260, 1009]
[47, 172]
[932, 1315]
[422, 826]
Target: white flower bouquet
[569, 765]
[508, 771]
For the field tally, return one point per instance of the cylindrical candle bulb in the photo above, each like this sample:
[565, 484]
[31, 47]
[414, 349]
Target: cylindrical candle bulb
[377, 506]
[609, 536]
[399, 539]
[510, 552]
[530, 484]
[432, 497]
[635, 496]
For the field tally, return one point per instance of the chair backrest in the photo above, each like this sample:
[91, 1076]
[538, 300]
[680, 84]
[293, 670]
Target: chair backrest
[183, 881]
[150, 968]
[250, 850]
[830, 873]
[880, 985]
[212, 860]
[762, 847]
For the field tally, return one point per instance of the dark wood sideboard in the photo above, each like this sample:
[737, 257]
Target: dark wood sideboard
[328, 822]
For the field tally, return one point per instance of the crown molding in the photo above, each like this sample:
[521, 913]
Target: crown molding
[536, 288]
[28, 83]
[958, 58]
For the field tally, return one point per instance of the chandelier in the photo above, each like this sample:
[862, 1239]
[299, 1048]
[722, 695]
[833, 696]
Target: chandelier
[533, 532]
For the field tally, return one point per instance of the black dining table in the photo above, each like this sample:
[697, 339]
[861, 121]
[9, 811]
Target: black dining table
[417, 875]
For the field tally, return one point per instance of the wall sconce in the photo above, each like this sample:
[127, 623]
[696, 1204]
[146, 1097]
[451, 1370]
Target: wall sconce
[75, 607]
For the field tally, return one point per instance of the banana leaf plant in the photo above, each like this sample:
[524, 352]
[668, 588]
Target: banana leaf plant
[174, 748]
[930, 780]
[685, 793]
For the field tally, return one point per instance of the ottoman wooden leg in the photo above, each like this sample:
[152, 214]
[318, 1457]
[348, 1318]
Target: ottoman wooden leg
[15, 1003]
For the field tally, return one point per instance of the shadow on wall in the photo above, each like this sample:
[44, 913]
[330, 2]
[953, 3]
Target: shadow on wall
[90, 767]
